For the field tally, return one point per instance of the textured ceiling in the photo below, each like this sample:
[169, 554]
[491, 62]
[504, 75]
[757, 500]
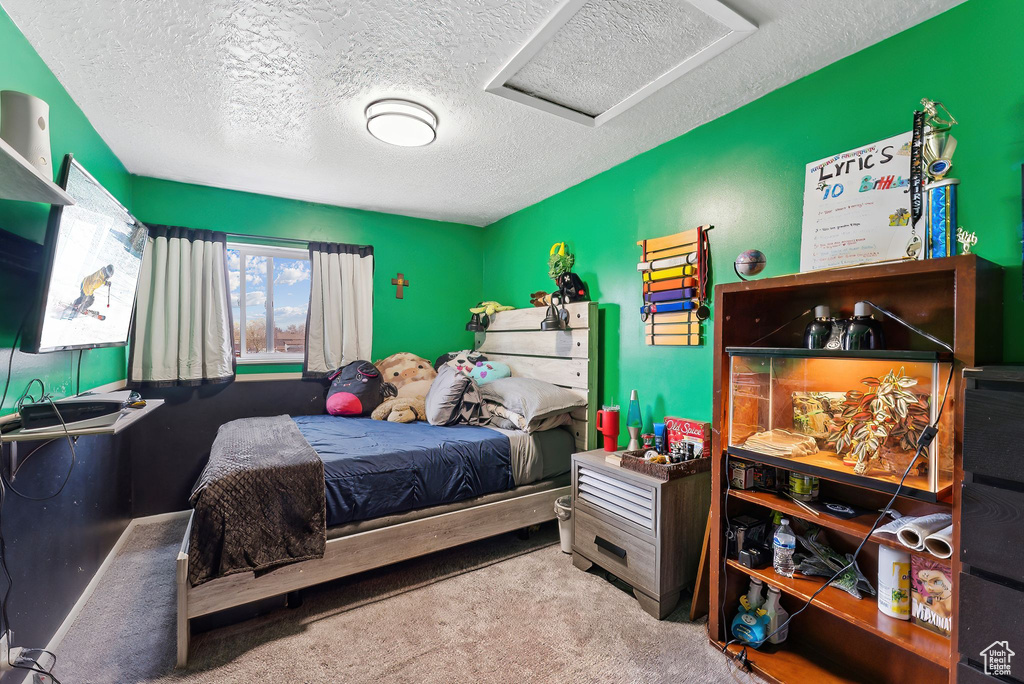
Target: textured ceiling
[268, 95]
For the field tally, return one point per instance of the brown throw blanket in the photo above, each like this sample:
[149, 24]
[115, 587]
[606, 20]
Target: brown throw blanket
[259, 502]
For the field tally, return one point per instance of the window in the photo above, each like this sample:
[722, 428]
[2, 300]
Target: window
[269, 300]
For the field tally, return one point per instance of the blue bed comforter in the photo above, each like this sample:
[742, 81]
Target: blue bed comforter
[375, 468]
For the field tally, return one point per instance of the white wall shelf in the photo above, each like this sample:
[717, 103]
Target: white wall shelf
[126, 419]
[21, 181]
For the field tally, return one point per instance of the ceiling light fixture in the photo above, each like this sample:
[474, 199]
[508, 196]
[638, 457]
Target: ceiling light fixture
[400, 122]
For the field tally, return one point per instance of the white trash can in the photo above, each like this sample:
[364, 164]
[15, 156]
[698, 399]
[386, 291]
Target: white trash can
[563, 509]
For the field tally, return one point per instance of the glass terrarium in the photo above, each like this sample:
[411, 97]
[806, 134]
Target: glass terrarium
[854, 417]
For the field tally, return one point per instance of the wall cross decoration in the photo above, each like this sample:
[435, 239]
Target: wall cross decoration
[400, 282]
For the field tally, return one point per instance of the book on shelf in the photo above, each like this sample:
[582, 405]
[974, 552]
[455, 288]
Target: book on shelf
[931, 594]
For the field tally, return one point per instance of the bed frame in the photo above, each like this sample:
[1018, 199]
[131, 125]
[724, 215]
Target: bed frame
[566, 358]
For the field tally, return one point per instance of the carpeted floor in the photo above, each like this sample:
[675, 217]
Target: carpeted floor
[500, 610]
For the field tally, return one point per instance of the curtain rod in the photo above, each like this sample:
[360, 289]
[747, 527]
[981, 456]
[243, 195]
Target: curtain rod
[296, 241]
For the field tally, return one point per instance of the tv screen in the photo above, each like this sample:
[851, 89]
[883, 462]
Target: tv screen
[94, 257]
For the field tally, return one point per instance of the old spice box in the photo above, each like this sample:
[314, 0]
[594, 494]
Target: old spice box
[684, 430]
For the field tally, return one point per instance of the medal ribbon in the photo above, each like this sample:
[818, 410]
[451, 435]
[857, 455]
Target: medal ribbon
[917, 169]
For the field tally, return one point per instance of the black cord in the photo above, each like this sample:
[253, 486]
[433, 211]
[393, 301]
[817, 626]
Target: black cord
[24, 460]
[787, 323]
[5, 621]
[6, 626]
[71, 445]
[10, 359]
[902, 322]
[78, 374]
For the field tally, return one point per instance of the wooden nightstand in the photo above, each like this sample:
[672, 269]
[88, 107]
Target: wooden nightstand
[645, 531]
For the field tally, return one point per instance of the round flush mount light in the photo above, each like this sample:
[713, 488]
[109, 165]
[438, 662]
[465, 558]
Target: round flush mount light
[400, 122]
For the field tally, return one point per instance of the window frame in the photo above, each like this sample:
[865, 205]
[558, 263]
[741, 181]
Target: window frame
[245, 249]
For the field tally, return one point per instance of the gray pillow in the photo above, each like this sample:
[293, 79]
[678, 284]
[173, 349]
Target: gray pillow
[444, 398]
[529, 405]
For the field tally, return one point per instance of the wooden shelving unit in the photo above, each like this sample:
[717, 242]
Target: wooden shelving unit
[855, 527]
[862, 612]
[21, 181]
[810, 666]
[839, 638]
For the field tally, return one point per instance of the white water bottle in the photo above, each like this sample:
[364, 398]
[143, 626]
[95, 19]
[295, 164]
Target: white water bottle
[783, 545]
[777, 615]
[755, 599]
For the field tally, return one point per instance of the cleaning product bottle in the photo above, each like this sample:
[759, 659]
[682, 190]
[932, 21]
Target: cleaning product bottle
[817, 332]
[863, 331]
[755, 598]
[777, 615]
[784, 544]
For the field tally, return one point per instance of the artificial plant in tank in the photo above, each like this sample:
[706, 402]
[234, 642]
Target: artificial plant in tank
[881, 424]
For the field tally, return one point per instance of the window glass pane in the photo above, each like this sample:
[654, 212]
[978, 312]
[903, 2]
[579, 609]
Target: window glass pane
[234, 275]
[255, 304]
[291, 300]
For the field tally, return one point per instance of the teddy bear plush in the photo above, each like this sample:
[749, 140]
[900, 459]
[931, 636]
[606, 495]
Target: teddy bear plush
[411, 377]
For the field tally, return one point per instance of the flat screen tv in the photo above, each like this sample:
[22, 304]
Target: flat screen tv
[93, 259]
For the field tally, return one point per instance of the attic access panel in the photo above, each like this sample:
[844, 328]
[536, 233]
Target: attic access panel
[594, 59]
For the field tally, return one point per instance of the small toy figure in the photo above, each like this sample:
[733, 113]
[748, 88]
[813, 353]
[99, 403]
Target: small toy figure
[750, 624]
[570, 286]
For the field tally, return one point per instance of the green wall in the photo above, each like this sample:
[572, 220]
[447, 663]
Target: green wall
[441, 261]
[22, 69]
[743, 173]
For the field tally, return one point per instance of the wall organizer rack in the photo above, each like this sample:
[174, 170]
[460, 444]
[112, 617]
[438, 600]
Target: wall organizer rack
[675, 280]
[840, 638]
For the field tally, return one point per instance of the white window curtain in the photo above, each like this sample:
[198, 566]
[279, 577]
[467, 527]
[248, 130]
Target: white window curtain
[339, 328]
[183, 326]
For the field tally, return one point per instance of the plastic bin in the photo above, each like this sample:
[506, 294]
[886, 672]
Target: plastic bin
[563, 510]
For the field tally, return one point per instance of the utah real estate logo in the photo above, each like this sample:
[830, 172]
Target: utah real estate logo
[997, 659]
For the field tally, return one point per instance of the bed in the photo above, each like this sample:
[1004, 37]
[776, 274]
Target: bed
[397, 491]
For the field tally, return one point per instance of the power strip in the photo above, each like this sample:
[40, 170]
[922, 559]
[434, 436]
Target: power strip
[11, 659]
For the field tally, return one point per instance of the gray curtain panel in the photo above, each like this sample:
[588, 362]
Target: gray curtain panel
[183, 326]
[339, 325]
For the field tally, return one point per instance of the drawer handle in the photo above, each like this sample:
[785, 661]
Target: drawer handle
[608, 546]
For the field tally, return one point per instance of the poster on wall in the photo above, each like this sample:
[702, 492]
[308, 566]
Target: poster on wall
[857, 207]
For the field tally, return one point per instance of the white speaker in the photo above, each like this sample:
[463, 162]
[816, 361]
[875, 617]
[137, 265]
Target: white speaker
[25, 125]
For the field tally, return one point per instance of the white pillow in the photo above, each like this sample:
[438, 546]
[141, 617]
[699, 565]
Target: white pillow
[529, 405]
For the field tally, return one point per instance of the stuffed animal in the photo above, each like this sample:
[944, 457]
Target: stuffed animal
[570, 285]
[397, 410]
[357, 389]
[489, 371]
[462, 361]
[412, 376]
[540, 298]
[490, 308]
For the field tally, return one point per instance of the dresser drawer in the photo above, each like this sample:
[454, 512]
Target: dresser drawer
[989, 612]
[617, 496]
[992, 530]
[993, 433]
[621, 553]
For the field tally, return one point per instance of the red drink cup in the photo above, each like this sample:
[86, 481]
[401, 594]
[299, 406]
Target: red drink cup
[608, 426]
